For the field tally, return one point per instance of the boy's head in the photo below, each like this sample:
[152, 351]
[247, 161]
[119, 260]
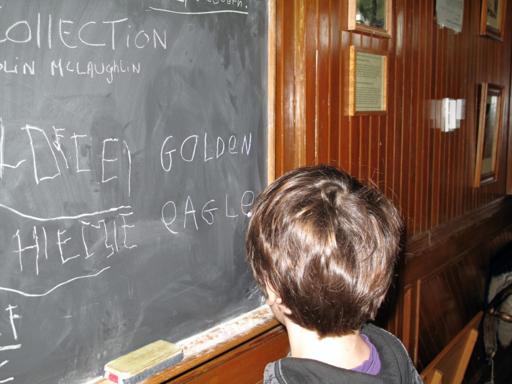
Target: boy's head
[326, 245]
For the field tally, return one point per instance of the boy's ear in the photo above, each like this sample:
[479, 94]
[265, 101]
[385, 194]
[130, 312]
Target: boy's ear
[275, 301]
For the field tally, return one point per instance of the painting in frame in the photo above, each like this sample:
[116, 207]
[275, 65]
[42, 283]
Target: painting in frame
[492, 19]
[490, 106]
[370, 16]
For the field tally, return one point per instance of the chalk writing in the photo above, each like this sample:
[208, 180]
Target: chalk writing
[89, 234]
[13, 316]
[211, 148]
[90, 69]
[49, 291]
[15, 67]
[3, 164]
[220, 6]
[71, 34]
[187, 213]
[64, 217]
[42, 147]
[67, 238]
[9, 379]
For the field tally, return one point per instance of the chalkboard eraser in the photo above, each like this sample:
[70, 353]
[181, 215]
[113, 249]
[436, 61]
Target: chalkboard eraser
[143, 362]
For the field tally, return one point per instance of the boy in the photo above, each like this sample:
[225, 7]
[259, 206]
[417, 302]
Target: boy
[322, 247]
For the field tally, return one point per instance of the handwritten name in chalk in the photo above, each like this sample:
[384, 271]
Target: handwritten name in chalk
[17, 67]
[49, 32]
[83, 239]
[202, 148]
[73, 152]
[9, 341]
[189, 214]
[59, 68]
[107, 71]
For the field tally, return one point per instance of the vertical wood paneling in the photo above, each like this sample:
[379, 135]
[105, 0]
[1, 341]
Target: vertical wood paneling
[311, 78]
[427, 173]
[509, 146]
[410, 314]
[345, 128]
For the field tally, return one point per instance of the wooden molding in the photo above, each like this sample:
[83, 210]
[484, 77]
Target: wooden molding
[447, 242]
[243, 364]
[411, 319]
[197, 361]
[453, 359]
[509, 144]
[271, 92]
[299, 86]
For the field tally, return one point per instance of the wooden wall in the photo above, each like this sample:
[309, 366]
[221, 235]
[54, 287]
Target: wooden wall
[452, 228]
[509, 147]
[426, 172]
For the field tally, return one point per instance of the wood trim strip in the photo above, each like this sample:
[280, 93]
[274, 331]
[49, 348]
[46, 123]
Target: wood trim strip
[299, 64]
[416, 325]
[470, 332]
[447, 242]
[509, 130]
[406, 317]
[247, 361]
[271, 92]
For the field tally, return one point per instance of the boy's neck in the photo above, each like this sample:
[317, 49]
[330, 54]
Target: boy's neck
[348, 351]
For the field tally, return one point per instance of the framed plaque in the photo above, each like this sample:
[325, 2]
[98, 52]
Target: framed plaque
[490, 106]
[492, 20]
[367, 82]
[370, 16]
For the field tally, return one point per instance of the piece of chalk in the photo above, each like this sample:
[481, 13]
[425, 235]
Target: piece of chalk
[143, 362]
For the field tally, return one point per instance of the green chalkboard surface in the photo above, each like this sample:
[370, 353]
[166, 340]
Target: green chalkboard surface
[132, 146]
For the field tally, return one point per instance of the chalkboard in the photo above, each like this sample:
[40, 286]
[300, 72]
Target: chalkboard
[133, 141]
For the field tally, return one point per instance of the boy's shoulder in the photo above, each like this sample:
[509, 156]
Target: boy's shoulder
[396, 366]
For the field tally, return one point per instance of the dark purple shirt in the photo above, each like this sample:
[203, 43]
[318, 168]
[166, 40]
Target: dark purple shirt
[372, 365]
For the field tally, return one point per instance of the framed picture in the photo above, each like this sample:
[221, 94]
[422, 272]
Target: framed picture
[370, 16]
[367, 82]
[490, 105]
[492, 20]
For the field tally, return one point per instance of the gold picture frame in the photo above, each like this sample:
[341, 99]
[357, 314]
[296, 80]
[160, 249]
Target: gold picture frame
[490, 110]
[367, 82]
[492, 19]
[369, 16]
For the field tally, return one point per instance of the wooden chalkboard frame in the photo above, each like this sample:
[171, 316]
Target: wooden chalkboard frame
[208, 344]
[271, 80]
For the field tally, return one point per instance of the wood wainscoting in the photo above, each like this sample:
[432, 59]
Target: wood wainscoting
[444, 278]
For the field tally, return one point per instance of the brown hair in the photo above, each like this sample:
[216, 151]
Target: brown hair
[327, 245]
